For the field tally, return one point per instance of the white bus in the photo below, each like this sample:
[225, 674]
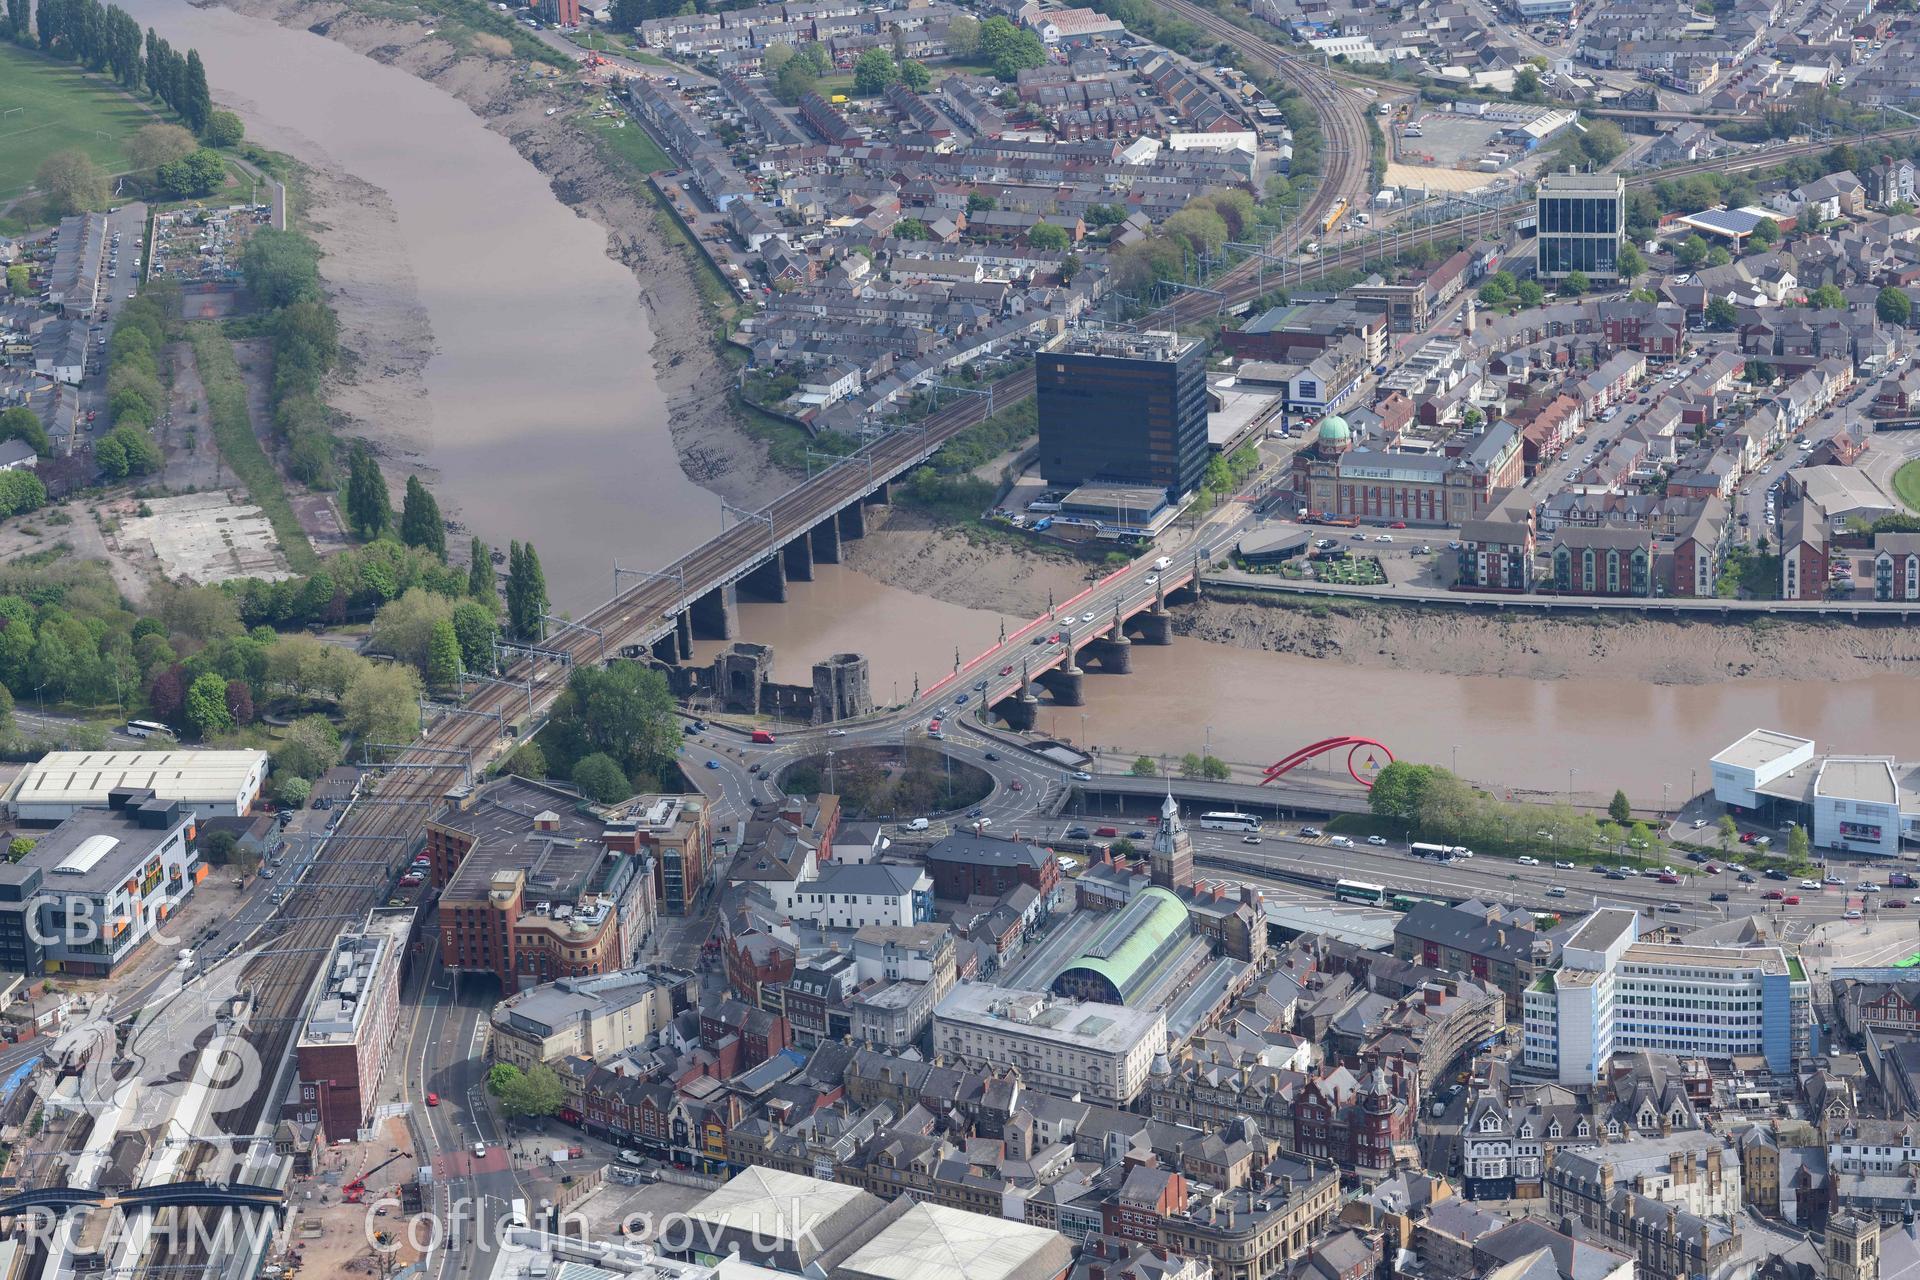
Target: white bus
[517, 1214]
[1360, 891]
[147, 729]
[1229, 822]
[1438, 852]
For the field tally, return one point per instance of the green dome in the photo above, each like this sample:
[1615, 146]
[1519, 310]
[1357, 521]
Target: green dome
[1333, 429]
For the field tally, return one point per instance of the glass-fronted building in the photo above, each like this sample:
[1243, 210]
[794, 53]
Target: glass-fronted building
[1582, 217]
[1124, 408]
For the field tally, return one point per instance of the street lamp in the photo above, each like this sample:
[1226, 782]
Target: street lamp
[1456, 759]
[1570, 772]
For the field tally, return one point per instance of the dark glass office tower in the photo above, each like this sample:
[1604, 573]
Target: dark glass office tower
[1124, 408]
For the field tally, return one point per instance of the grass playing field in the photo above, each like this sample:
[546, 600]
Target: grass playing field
[48, 106]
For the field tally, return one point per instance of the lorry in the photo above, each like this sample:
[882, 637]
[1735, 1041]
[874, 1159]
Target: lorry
[763, 736]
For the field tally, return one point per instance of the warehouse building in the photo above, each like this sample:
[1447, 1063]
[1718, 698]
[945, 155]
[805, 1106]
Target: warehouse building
[209, 784]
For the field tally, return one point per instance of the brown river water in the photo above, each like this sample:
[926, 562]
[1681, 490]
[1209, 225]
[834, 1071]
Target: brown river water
[546, 424]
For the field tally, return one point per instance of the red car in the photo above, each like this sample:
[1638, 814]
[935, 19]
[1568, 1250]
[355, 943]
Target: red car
[1711, 868]
[1773, 895]
[1894, 902]
[1792, 899]
[1748, 837]
[1016, 785]
[1054, 638]
[1007, 670]
[1106, 832]
[433, 1099]
[1398, 524]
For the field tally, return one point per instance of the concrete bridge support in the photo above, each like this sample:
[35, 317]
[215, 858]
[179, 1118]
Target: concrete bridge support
[683, 634]
[825, 537]
[667, 648]
[768, 579]
[881, 497]
[1115, 654]
[798, 555]
[715, 615]
[853, 520]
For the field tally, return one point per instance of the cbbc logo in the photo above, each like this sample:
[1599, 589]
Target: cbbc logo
[80, 923]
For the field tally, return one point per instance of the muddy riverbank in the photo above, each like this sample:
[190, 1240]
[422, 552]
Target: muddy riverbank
[376, 303]
[1461, 642]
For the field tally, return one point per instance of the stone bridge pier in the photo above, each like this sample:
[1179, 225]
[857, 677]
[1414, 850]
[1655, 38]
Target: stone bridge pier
[767, 580]
[714, 616]
[825, 537]
[797, 558]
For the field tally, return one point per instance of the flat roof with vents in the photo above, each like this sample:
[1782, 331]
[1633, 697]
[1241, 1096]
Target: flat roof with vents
[209, 781]
[85, 854]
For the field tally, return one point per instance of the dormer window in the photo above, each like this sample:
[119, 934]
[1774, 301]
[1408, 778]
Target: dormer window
[1553, 1130]
[1584, 1131]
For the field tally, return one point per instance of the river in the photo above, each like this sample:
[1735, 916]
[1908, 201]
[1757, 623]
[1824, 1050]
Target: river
[544, 422]
[545, 425]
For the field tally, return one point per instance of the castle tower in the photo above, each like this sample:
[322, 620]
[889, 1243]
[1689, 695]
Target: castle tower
[1172, 859]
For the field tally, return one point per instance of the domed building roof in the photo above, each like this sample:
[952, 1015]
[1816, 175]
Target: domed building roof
[1334, 430]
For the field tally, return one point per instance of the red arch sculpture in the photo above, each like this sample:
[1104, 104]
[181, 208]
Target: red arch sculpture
[1353, 744]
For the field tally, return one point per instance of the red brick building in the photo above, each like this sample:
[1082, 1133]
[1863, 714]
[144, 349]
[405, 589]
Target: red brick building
[963, 866]
[1148, 1196]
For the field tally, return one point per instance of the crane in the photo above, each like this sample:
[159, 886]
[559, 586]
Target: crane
[356, 1191]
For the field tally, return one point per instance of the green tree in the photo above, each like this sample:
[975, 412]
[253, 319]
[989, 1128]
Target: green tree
[281, 267]
[1145, 767]
[196, 104]
[1729, 831]
[1526, 84]
[1400, 790]
[308, 748]
[1575, 284]
[534, 1092]
[443, 655]
[1765, 234]
[383, 703]
[526, 592]
[915, 76]
[624, 710]
[1690, 252]
[601, 779]
[1191, 765]
[369, 508]
[480, 572]
[158, 144]
[1718, 256]
[1827, 297]
[1214, 769]
[19, 847]
[1630, 263]
[224, 129]
[1048, 238]
[1618, 809]
[24, 425]
[795, 80]
[1530, 293]
[21, 492]
[527, 761]
[1721, 315]
[980, 203]
[20, 280]
[71, 182]
[1798, 847]
[403, 628]
[1893, 306]
[420, 523]
[912, 229]
[294, 792]
[475, 629]
[874, 71]
[500, 1076]
[206, 709]
[1008, 49]
[198, 174]
[963, 37]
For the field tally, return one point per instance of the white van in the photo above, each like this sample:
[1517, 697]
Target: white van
[1556, 891]
[918, 824]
